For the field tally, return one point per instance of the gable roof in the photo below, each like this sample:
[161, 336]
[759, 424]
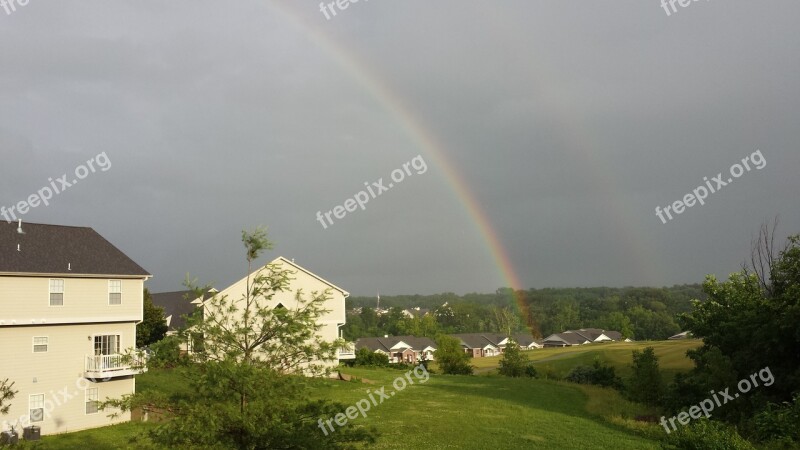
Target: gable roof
[61, 250]
[386, 344]
[176, 305]
[479, 340]
[282, 260]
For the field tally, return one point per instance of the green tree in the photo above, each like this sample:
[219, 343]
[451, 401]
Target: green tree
[450, 357]
[242, 394]
[618, 321]
[366, 357]
[514, 362]
[7, 394]
[645, 384]
[153, 327]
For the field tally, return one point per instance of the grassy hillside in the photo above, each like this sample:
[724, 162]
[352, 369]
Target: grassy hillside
[448, 412]
[559, 361]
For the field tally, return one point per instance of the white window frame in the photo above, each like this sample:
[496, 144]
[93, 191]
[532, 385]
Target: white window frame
[36, 400]
[91, 397]
[115, 287]
[118, 346]
[46, 344]
[56, 290]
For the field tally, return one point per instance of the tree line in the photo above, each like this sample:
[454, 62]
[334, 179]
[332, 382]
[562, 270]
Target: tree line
[640, 313]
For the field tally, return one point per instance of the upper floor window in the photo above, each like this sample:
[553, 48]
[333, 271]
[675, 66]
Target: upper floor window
[114, 292]
[40, 344]
[56, 292]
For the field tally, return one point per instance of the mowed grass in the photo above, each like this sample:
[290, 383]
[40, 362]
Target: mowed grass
[446, 412]
[558, 362]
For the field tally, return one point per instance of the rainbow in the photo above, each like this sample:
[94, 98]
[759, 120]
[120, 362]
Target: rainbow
[573, 134]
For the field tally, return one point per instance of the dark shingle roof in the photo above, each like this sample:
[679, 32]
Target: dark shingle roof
[176, 304]
[478, 340]
[56, 249]
[386, 343]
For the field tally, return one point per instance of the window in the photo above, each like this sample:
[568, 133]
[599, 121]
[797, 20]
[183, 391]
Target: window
[56, 292]
[91, 400]
[106, 344]
[36, 407]
[40, 344]
[114, 292]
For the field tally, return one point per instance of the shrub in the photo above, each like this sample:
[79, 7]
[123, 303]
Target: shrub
[704, 434]
[366, 357]
[598, 373]
[779, 424]
[166, 353]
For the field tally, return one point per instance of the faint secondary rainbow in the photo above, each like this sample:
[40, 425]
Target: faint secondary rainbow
[423, 137]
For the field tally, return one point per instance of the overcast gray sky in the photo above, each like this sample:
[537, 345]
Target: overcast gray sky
[550, 131]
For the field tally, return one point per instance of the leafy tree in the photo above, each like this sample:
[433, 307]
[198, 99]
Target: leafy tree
[599, 373]
[514, 362]
[617, 321]
[243, 392]
[645, 385]
[153, 327]
[366, 357]
[7, 394]
[451, 357]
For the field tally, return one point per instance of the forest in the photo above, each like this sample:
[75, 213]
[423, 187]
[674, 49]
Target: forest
[639, 313]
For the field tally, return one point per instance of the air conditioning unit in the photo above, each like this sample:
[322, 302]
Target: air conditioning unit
[32, 433]
[9, 438]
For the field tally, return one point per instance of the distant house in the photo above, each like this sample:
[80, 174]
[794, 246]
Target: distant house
[683, 335]
[527, 342]
[480, 345]
[416, 312]
[583, 336]
[407, 349]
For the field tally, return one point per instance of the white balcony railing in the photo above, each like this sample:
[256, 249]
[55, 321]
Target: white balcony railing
[347, 351]
[110, 366]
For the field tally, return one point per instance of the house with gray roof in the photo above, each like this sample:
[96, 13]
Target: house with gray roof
[406, 349]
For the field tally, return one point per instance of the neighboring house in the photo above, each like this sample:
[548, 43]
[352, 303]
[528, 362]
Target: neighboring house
[177, 305]
[527, 342]
[479, 345]
[69, 305]
[407, 349]
[580, 337]
[303, 279]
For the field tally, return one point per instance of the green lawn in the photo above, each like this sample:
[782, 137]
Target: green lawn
[559, 361]
[446, 412]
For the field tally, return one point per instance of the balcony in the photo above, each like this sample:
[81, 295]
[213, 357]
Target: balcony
[348, 351]
[112, 366]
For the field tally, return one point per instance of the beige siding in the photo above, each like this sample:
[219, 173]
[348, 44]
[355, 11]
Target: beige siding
[309, 283]
[26, 300]
[58, 373]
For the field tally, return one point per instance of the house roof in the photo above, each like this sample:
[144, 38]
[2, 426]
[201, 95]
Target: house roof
[386, 343]
[575, 337]
[61, 250]
[479, 340]
[176, 305]
[523, 339]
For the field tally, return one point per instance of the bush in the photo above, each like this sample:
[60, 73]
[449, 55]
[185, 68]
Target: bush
[598, 373]
[366, 357]
[166, 353]
[515, 363]
[645, 385]
[451, 357]
[704, 434]
[779, 424]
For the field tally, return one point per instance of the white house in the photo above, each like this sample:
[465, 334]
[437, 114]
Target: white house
[304, 279]
[69, 305]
